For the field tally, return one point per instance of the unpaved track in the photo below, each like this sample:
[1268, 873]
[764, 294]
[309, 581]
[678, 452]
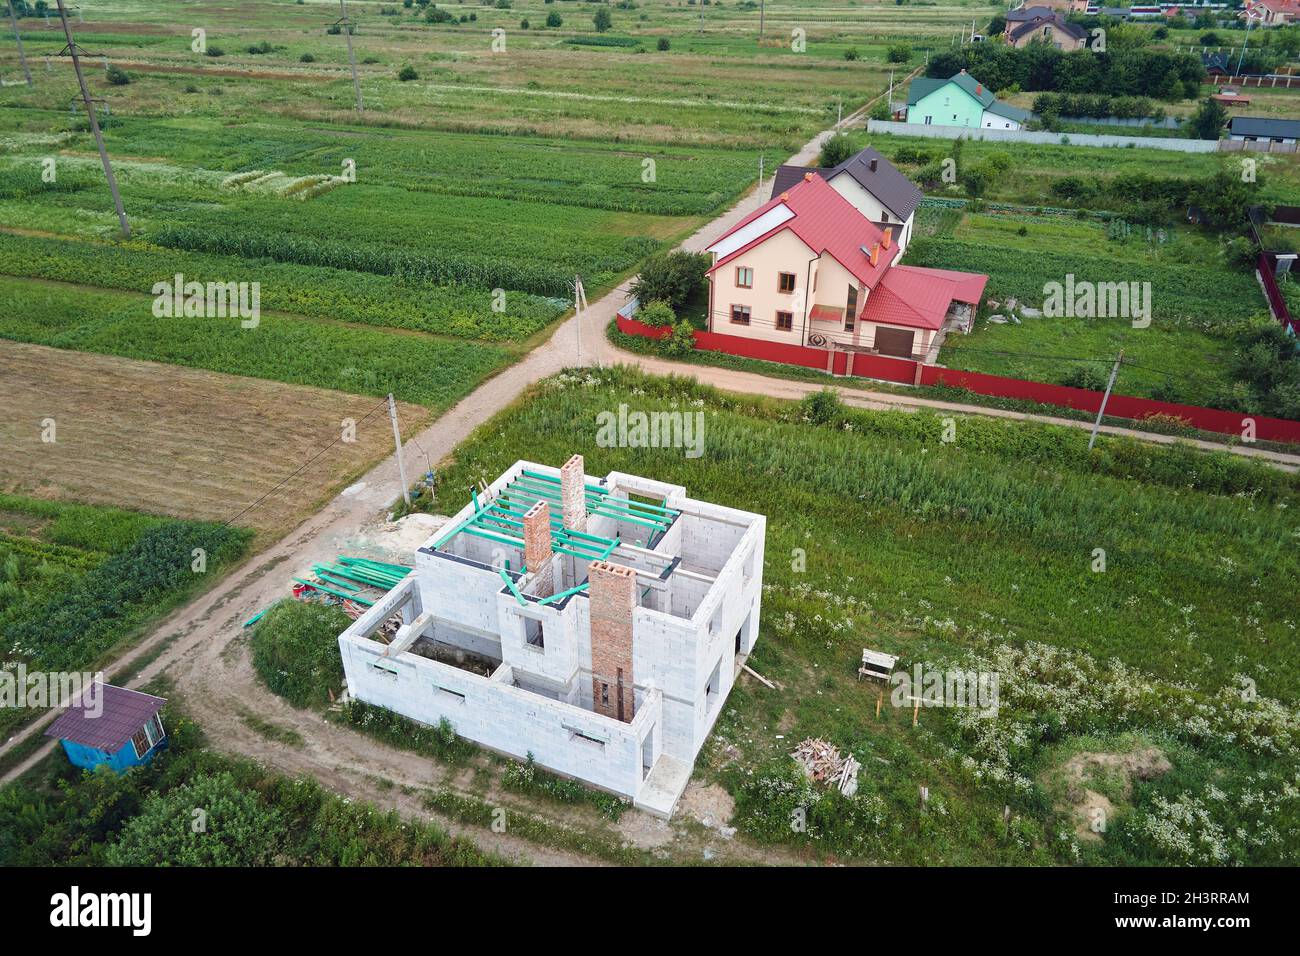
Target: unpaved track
[209, 664]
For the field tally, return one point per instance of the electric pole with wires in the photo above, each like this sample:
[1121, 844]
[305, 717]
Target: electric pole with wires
[72, 50]
[1092, 440]
[346, 25]
[22, 57]
[397, 440]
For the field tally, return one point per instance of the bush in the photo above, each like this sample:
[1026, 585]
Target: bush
[296, 651]
[238, 828]
[553, 19]
[681, 341]
[1086, 376]
[306, 58]
[852, 54]
[407, 74]
[602, 20]
[214, 51]
[437, 15]
[899, 52]
[822, 408]
[118, 76]
[656, 313]
[671, 277]
[835, 150]
[662, 44]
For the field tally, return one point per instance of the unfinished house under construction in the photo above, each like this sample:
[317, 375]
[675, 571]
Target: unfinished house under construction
[597, 624]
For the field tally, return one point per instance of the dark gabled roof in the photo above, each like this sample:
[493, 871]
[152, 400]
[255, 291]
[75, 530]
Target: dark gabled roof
[924, 86]
[1264, 126]
[787, 177]
[1028, 13]
[1217, 62]
[105, 717]
[891, 188]
[1056, 22]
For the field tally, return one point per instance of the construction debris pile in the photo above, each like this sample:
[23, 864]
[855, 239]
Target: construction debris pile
[823, 763]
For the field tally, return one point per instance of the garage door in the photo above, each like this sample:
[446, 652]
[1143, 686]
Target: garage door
[894, 342]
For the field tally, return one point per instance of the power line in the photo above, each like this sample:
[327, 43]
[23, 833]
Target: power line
[301, 468]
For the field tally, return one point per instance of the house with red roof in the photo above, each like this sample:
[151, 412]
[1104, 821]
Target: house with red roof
[1271, 13]
[809, 268]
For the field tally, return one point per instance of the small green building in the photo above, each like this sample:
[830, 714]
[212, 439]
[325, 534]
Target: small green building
[960, 101]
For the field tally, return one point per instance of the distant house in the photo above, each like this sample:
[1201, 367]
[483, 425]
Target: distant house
[872, 184]
[111, 726]
[1043, 25]
[1271, 13]
[809, 268]
[960, 100]
[1259, 129]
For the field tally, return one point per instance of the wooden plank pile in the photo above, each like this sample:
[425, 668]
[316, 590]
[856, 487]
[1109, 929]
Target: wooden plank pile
[822, 762]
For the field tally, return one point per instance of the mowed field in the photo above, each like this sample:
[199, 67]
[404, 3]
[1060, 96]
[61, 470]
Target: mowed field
[180, 442]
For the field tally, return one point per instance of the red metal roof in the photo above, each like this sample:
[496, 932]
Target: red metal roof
[920, 298]
[105, 717]
[827, 223]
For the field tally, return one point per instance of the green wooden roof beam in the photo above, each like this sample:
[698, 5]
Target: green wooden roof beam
[563, 594]
[342, 594]
[514, 590]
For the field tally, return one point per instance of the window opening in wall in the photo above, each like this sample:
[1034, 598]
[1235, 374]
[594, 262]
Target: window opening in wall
[534, 635]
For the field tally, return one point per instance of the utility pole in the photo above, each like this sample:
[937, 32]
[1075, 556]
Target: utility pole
[760, 179]
[22, 57]
[397, 439]
[71, 50]
[762, 15]
[579, 310]
[1105, 398]
[1250, 22]
[346, 24]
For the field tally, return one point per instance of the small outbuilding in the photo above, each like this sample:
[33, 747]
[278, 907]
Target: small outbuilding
[111, 726]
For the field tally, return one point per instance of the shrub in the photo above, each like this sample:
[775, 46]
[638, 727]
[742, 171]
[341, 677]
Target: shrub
[671, 277]
[662, 44]
[553, 19]
[656, 313]
[822, 408]
[681, 341]
[239, 829]
[407, 73]
[437, 15]
[306, 58]
[899, 52]
[296, 651]
[852, 54]
[118, 76]
[214, 51]
[523, 24]
[835, 150]
[1086, 376]
[602, 20]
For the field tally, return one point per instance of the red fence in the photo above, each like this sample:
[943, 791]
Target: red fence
[907, 372]
[1274, 294]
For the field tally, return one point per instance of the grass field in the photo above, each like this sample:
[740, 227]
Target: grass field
[979, 553]
[77, 581]
[174, 441]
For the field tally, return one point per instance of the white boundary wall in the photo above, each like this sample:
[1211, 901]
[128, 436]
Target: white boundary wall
[1044, 139]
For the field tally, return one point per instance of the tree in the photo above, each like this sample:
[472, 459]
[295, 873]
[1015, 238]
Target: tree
[900, 52]
[671, 277]
[553, 20]
[835, 150]
[602, 20]
[1208, 119]
[1224, 199]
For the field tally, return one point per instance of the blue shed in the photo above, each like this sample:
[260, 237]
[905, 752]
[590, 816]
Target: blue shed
[111, 726]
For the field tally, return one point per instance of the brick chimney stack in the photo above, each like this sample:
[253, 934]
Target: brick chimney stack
[573, 494]
[886, 239]
[875, 253]
[537, 548]
[613, 598]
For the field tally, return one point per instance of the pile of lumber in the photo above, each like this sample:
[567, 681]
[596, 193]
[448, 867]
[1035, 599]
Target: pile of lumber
[356, 581]
[822, 762]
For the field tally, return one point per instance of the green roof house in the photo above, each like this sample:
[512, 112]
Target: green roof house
[960, 101]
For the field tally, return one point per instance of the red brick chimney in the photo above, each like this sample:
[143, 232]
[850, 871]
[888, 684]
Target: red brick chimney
[613, 598]
[886, 239]
[573, 494]
[875, 253]
[537, 548]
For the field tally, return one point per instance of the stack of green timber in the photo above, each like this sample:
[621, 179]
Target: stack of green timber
[352, 579]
